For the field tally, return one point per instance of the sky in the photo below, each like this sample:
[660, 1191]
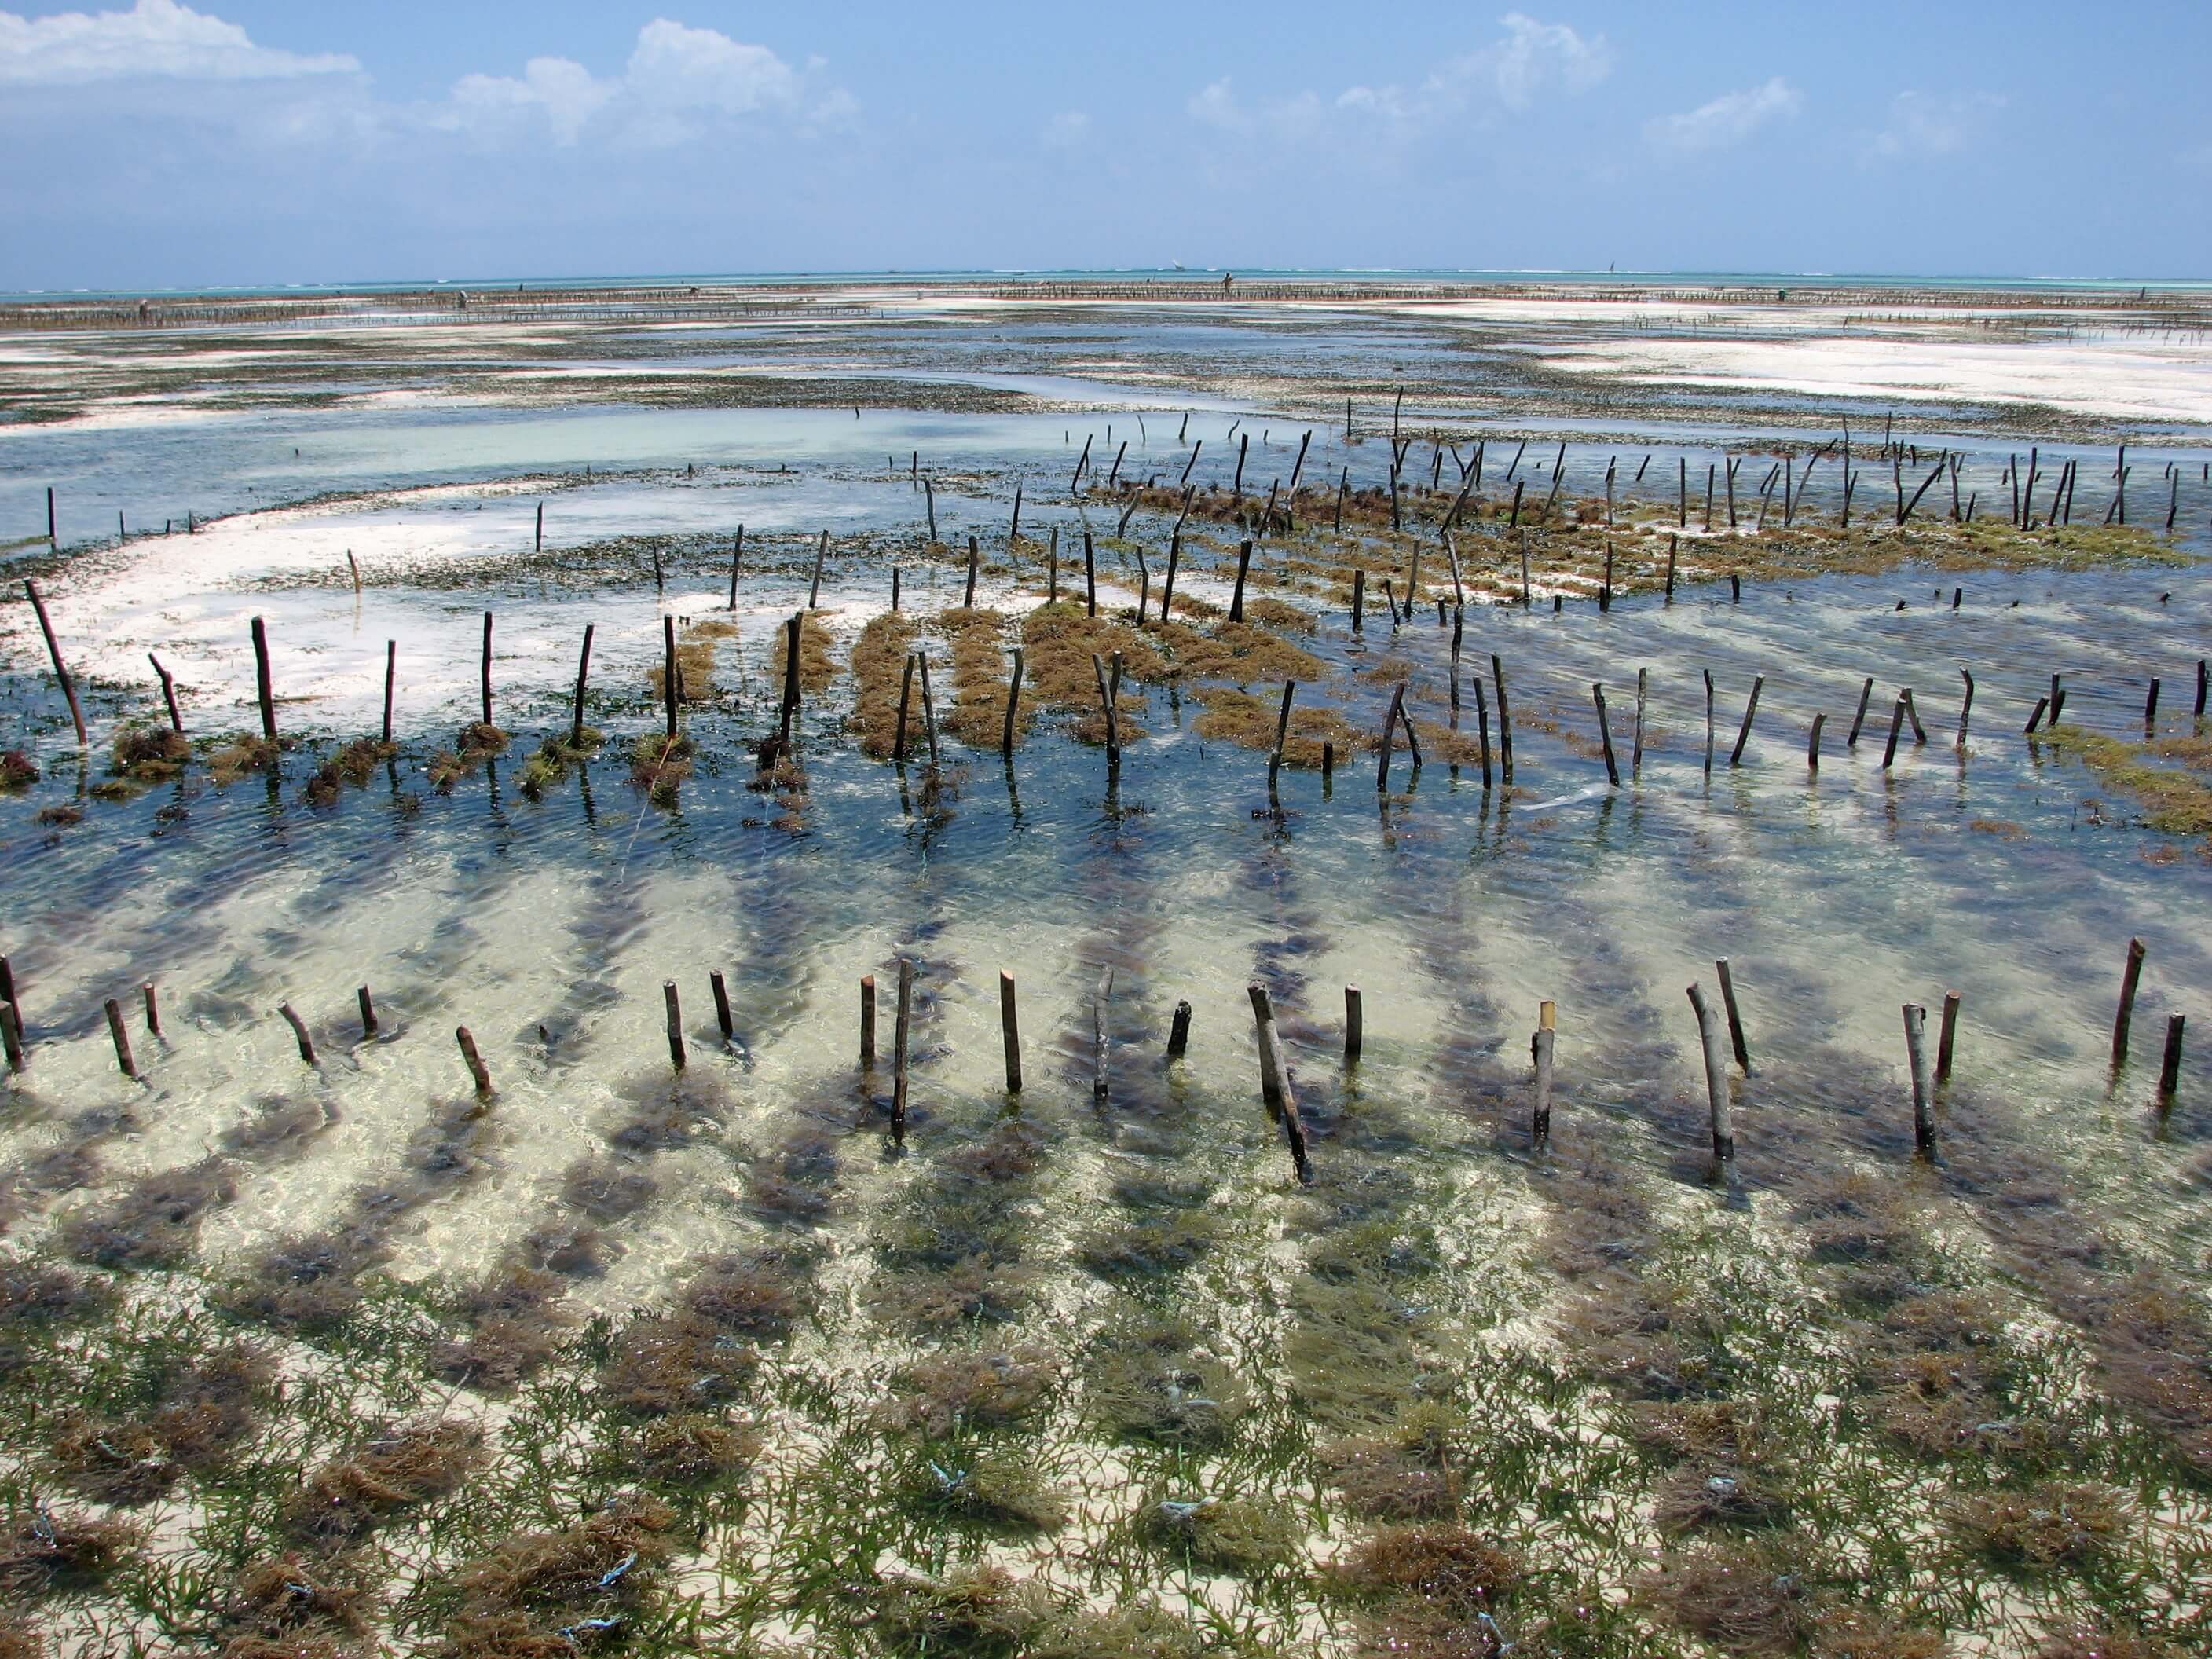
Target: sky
[291, 141]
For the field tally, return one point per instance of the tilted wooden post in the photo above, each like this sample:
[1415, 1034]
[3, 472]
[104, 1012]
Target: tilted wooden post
[2129, 977]
[477, 1069]
[54, 651]
[1735, 1014]
[299, 1032]
[1716, 1084]
[1750, 708]
[122, 1040]
[1275, 1081]
[867, 1021]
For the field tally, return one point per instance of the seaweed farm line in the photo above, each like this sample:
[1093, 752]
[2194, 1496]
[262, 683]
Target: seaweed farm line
[1074, 1042]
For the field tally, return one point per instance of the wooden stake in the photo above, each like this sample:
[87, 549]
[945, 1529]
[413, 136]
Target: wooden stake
[1355, 1024]
[901, 1033]
[583, 675]
[1013, 703]
[1750, 708]
[477, 1069]
[1735, 1015]
[1282, 730]
[1010, 1030]
[929, 494]
[1965, 707]
[538, 544]
[1547, 1037]
[1090, 578]
[814, 588]
[1946, 1041]
[1482, 727]
[1359, 600]
[1924, 1088]
[675, 1012]
[2150, 708]
[1106, 701]
[487, 668]
[2129, 977]
[736, 557]
[61, 669]
[668, 673]
[1504, 722]
[354, 565]
[2169, 1067]
[1813, 743]
[906, 690]
[928, 707]
[1896, 723]
[1716, 1084]
[1671, 543]
[1708, 722]
[1866, 693]
[1605, 735]
[1275, 1081]
[261, 681]
[368, 1012]
[721, 990]
[1389, 725]
[1913, 713]
[11, 1035]
[122, 1037]
[299, 1032]
[967, 602]
[867, 1021]
[1101, 1000]
[2036, 714]
[1179, 1032]
[1243, 567]
[153, 1009]
[169, 692]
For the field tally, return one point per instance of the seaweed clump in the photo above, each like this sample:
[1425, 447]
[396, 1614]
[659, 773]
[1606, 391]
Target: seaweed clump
[290, 1608]
[659, 764]
[155, 1222]
[150, 753]
[403, 1467]
[41, 1552]
[535, 1592]
[238, 754]
[17, 769]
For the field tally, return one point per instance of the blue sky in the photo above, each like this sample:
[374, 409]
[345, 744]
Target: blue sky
[248, 141]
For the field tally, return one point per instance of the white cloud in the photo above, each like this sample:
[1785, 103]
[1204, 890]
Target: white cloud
[157, 40]
[677, 79]
[1933, 122]
[1728, 120]
[1508, 76]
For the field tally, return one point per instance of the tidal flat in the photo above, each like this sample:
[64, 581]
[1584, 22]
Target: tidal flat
[1473, 669]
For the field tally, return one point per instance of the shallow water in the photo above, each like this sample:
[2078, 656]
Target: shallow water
[1996, 869]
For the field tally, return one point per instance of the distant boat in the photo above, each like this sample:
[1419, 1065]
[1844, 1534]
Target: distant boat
[1177, 264]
